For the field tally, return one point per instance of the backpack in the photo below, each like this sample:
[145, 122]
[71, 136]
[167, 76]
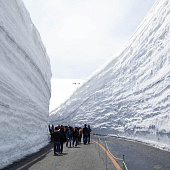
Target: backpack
[80, 131]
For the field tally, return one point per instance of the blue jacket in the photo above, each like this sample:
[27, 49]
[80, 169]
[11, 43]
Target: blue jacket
[69, 135]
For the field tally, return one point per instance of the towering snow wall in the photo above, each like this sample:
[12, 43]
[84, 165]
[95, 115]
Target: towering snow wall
[25, 89]
[130, 95]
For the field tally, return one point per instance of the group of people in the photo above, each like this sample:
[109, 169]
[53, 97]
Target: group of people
[72, 136]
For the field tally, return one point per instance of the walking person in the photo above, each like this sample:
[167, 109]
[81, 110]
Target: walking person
[57, 136]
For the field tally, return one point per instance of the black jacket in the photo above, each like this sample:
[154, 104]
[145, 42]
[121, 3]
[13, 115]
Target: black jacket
[63, 135]
[57, 136]
[75, 134]
[85, 131]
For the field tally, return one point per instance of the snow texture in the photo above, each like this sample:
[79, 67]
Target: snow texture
[25, 87]
[130, 95]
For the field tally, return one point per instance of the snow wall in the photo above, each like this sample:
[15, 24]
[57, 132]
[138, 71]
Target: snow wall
[130, 95]
[25, 88]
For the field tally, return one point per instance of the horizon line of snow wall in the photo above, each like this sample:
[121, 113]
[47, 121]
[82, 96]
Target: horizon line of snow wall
[25, 86]
[129, 95]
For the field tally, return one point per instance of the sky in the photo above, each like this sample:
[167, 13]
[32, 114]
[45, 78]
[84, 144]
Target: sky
[81, 35]
[62, 89]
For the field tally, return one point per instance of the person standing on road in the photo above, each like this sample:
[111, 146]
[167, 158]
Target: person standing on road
[62, 138]
[80, 134]
[51, 130]
[69, 137]
[57, 136]
[75, 136]
[85, 134]
[89, 130]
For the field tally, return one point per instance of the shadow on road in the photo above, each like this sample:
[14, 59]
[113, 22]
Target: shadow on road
[30, 159]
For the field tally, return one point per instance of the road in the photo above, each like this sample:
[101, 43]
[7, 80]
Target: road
[83, 157]
[138, 156]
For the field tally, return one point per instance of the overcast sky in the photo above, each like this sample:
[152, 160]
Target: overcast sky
[81, 35]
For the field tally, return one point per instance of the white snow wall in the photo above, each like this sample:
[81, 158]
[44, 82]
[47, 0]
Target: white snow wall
[130, 95]
[25, 88]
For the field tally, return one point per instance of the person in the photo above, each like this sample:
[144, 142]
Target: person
[57, 136]
[89, 130]
[75, 136]
[51, 130]
[62, 139]
[85, 134]
[59, 127]
[80, 134]
[69, 137]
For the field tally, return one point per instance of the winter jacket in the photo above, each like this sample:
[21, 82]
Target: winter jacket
[69, 135]
[57, 136]
[75, 134]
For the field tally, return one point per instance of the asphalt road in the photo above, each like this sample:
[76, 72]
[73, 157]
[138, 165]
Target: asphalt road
[82, 157]
[138, 156]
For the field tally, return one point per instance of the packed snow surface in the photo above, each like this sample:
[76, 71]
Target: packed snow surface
[25, 90]
[130, 95]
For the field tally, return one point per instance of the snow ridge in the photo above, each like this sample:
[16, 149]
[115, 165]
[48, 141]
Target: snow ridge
[25, 87]
[129, 95]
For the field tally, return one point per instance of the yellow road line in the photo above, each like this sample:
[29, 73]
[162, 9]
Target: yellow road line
[111, 158]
